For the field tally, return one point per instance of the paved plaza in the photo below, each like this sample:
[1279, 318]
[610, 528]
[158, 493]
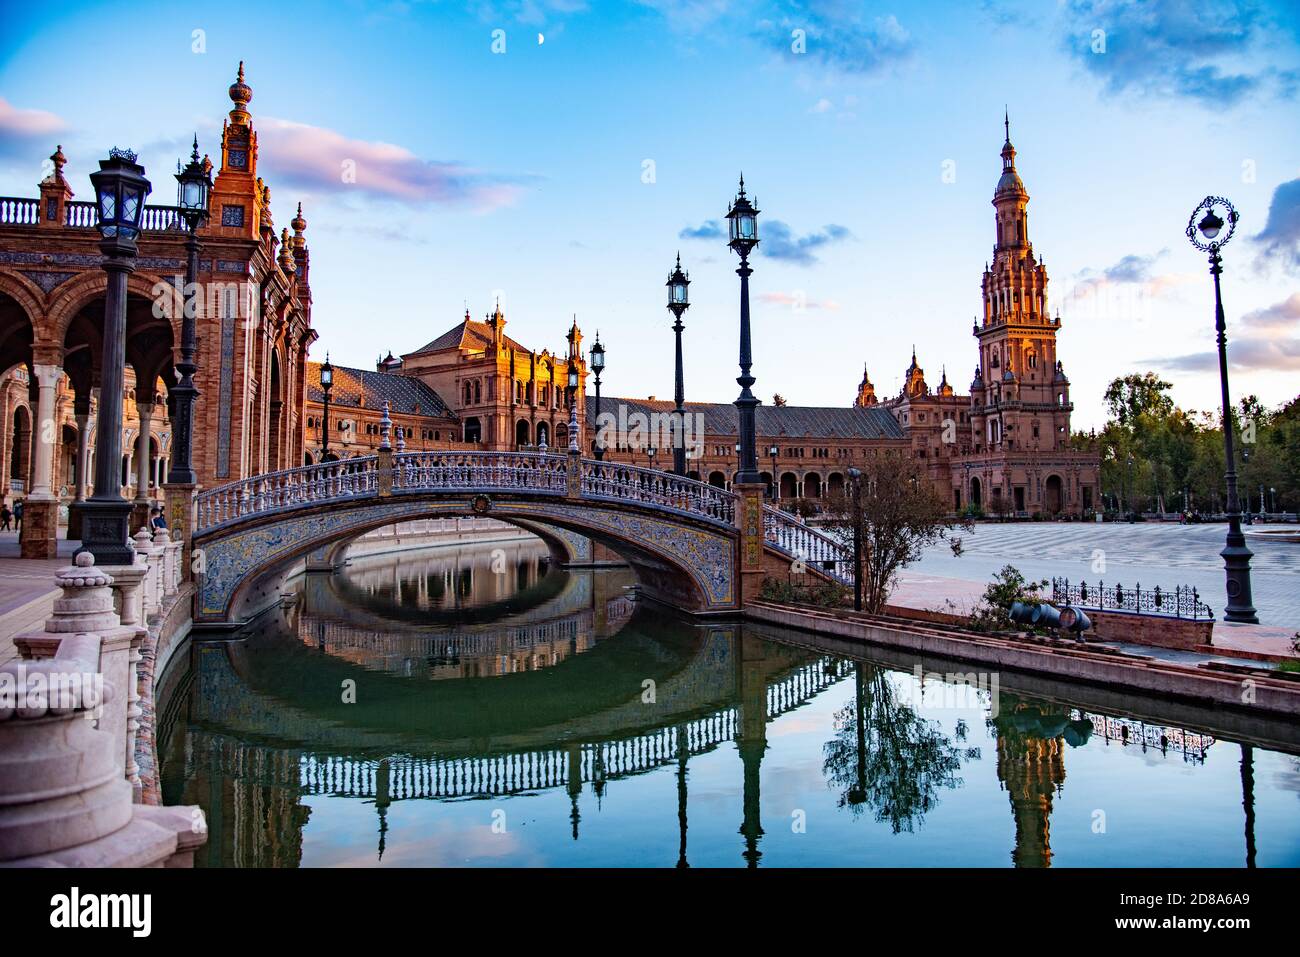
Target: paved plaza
[1145, 553]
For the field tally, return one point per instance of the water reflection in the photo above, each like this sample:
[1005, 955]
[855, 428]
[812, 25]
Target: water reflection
[589, 724]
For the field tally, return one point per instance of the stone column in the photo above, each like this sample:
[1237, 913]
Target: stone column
[142, 504]
[41, 505]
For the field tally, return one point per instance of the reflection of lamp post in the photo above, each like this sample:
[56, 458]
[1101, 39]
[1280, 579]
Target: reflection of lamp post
[742, 224]
[1205, 236]
[326, 383]
[194, 184]
[855, 482]
[1272, 499]
[598, 366]
[679, 302]
[120, 192]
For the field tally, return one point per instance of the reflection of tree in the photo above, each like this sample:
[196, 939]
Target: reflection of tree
[886, 756]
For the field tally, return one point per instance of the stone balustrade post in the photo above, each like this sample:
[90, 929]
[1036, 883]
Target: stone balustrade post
[152, 556]
[167, 561]
[181, 509]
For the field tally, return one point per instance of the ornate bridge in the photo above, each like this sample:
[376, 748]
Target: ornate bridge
[682, 537]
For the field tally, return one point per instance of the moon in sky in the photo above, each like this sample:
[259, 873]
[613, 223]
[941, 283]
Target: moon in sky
[540, 39]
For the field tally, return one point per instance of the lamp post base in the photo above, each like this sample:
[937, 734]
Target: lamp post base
[1236, 562]
[106, 532]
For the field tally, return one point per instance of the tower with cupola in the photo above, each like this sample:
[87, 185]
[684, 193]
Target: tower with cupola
[1020, 398]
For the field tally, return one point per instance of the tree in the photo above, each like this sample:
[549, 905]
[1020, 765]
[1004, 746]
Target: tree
[886, 756]
[1132, 395]
[901, 514]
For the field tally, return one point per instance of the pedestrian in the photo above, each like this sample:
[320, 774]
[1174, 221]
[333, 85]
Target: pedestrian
[156, 520]
[5, 516]
[18, 516]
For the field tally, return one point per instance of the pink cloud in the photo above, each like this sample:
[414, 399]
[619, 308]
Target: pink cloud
[19, 127]
[326, 160]
[798, 300]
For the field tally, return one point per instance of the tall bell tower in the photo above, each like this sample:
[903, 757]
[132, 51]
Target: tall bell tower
[1020, 399]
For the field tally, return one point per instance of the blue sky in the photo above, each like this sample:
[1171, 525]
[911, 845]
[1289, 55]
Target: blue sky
[564, 175]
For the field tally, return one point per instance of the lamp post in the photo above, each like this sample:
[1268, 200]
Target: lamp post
[574, 447]
[193, 187]
[678, 303]
[742, 227]
[1205, 236]
[598, 366]
[326, 383]
[776, 484]
[855, 483]
[651, 452]
[120, 192]
[1272, 499]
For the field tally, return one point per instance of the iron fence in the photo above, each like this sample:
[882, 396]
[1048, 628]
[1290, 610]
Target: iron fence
[1181, 602]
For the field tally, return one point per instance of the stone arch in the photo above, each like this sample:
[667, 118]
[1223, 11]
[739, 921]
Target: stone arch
[812, 485]
[1053, 494]
[684, 563]
[718, 479]
[835, 484]
[789, 485]
[523, 433]
[70, 298]
[976, 492]
[20, 455]
[28, 297]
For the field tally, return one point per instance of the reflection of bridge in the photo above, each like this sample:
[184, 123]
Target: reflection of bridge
[686, 539]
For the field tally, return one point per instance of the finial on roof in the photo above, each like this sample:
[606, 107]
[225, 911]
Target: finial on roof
[240, 94]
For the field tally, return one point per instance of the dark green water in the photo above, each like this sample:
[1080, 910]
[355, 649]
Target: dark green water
[451, 708]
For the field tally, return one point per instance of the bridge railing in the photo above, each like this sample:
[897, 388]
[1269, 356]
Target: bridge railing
[261, 494]
[632, 483]
[490, 471]
[814, 548]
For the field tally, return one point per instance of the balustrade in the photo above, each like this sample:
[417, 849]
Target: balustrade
[630, 483]
[19, 211]
[813, 548]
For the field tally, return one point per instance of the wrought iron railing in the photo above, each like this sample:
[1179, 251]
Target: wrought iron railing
[814, 548]
[1181, 602]
[631, 483]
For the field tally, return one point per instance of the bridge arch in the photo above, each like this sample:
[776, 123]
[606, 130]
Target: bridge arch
[680, 536]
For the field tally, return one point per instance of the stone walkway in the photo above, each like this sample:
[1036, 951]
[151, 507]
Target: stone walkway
[27, 590]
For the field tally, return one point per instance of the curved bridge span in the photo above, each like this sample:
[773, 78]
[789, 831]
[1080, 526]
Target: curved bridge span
[687, 540]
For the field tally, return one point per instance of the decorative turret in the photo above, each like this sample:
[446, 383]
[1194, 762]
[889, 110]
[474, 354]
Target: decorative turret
[286, 252]
[299, 225]
[914, 379]
[497, 322]
[866, 391]
[574, 338]
[55, 192]
[944, 388]
[240, 95]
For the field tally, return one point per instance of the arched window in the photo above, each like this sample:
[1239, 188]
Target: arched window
[478, 391]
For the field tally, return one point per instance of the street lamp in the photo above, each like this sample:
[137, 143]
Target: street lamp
[776, 485]
[855, 483]
[651, 452]
[1206, 236]
[1272, 499]
[326, 383]
[742, 228]
[598, 366]
[120, 192]
[574, 447]
[193, 187]
[678, 303]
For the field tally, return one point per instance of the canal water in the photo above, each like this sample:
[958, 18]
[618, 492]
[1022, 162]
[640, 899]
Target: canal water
[474, 706]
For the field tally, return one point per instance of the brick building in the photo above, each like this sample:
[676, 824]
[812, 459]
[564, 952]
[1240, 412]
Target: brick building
[254, 329]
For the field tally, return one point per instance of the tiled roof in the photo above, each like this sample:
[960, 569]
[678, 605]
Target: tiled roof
[467, 334]
[404, 394]
[772, 421]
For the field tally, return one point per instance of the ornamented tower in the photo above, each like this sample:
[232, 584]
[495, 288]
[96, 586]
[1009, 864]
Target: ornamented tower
[1020, 397]
[866, 391]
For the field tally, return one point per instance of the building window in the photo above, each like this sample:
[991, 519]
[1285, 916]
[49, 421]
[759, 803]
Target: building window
[232, 215]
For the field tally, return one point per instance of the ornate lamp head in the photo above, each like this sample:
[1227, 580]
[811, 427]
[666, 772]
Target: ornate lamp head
[742, 223]
[1207, 234]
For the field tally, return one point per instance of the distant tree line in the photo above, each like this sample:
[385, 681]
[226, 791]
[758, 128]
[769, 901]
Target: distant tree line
[1156, 456]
